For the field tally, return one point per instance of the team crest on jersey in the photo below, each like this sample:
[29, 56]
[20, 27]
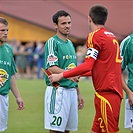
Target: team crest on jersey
[71, 66]
[52, 58]
[3, 75]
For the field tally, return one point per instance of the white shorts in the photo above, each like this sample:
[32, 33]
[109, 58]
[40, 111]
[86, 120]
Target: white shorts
[128, 115]
[61, 109]
[3, 112]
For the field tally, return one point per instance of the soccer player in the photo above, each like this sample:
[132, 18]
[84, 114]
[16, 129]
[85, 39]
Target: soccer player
[7, 76]
[126, 48]
[61, 105]
[104, 62]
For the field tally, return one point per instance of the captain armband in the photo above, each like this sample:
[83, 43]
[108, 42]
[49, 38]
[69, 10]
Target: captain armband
[91, 52]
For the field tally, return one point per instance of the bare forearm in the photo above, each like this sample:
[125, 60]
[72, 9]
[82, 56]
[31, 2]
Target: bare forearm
[56, 69]
[80, 99]
[124, 86]
[16, 93]
[78, 91]
[14, 87]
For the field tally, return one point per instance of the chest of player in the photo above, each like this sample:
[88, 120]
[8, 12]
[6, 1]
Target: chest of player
[66, 52]
[5, 58]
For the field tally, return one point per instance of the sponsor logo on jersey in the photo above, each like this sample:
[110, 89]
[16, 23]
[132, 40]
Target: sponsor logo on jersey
[52, 58]
[5, 62]
[70, 66]
[3, 75]
[69, 57]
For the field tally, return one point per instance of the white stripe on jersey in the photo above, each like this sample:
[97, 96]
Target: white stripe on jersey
[123, 43]
[50, 50]
[50, 46]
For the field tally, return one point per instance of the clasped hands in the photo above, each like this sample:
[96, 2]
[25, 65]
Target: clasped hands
[58, 77]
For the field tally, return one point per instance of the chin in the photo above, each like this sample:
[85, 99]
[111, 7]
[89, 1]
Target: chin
[65, 34]
[3, 41]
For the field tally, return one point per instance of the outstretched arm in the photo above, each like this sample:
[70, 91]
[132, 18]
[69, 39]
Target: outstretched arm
[57, 70]
[79, 70]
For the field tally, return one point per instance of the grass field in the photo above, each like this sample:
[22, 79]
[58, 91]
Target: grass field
[30, 120]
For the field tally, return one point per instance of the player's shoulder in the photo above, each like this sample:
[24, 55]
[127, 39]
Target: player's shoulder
[131, 35]
[93, 34]
[127, 40]
[69, 41]
[50, 41]
[7, 46]
[130, 43]
[130, 38]
[102, 32]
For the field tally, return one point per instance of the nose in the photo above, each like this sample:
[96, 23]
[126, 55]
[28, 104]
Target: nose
[68, 25]
[6, 32]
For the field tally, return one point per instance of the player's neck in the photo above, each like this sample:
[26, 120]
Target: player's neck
[1, 43]
[62, 37]
[95, 27]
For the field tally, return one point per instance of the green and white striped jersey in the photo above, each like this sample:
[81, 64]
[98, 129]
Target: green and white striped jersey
[62, 54]
[7, 67]
[126, 48]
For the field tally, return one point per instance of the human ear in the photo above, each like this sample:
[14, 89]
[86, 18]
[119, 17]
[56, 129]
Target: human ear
[89, 19]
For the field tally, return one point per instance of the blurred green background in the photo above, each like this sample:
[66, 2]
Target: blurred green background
[31, 119]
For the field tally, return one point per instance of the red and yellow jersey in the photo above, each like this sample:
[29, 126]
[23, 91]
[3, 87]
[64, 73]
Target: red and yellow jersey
[106, 72]
[103, 60]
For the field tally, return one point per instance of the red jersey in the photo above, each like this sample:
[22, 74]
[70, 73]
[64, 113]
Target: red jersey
[103, 59]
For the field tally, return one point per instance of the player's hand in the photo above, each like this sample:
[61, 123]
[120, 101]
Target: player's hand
[75, 79]
[80, 102]
[130, 99]
[20, 103]
[55, 77]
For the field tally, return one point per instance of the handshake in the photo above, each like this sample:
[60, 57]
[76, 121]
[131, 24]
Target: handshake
[54, 78]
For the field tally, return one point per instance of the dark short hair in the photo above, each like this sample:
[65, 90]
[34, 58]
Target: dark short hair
[99, 14]
[59, 14]
[3, 21]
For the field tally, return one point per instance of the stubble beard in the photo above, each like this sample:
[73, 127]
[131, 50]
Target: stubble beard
[65, 34]
[3, 41]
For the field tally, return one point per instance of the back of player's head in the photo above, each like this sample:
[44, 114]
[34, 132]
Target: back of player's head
[98, 14]
[59, 14]
[3, 21]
